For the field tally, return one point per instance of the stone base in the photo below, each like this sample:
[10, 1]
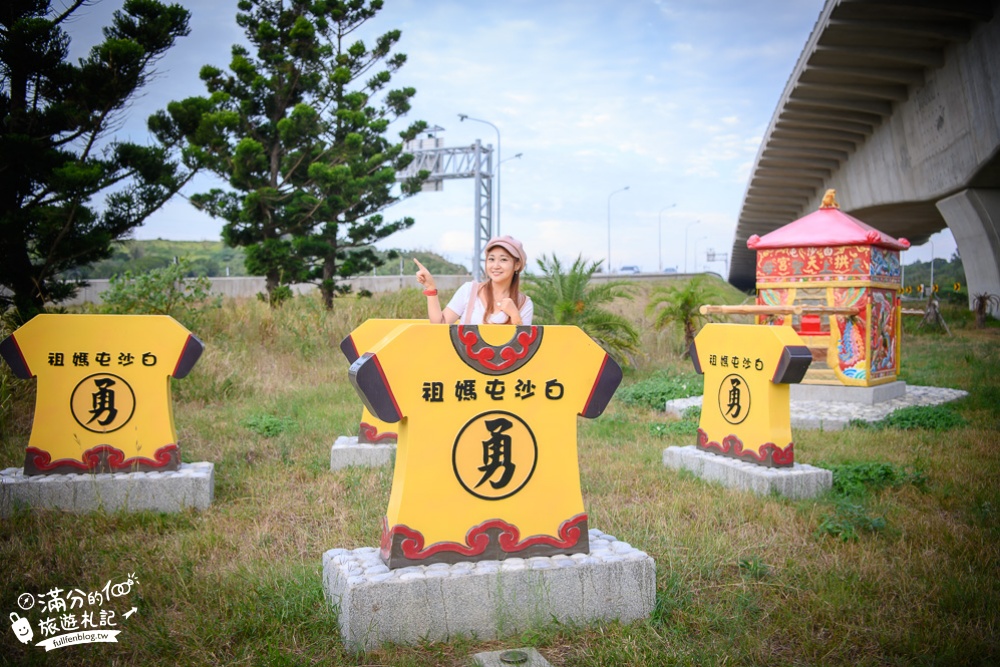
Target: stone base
[486, 599]
[347, 451]
[173, 491]
[518, 657]
[833, 415]
[843, 394]
[799, 481]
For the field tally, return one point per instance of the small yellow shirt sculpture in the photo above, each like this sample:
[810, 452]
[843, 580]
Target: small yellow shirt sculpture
[372, 430]
[103, 397]
[486, 459]
[745, 409]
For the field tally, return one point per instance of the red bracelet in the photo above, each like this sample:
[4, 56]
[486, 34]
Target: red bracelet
[430, 292]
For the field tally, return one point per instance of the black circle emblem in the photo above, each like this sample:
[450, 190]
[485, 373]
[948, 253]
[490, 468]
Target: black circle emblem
[494, 455]
[102, 403]
[734, 399]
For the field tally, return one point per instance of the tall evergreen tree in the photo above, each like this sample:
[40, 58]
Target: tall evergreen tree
[55, 151]
[296, 131]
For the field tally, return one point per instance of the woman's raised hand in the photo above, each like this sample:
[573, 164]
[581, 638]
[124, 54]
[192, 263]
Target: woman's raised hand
[507, 306]
[424, 276]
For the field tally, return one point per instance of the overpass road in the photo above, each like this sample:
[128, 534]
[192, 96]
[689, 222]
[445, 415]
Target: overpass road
[896, 105]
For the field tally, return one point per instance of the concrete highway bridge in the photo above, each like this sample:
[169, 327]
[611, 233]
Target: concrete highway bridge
[896, 105]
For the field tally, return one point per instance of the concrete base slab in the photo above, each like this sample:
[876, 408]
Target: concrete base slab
[799, 481]
[515, 657]
[192, 485]
[486, 599]
[831, 415]
[843, 394]
[347, 451]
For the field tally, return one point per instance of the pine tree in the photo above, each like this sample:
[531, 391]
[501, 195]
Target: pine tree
[300, 138]
[55, 155]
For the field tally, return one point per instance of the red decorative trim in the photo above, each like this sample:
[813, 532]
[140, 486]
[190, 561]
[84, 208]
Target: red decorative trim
[477, 539]
[569, 534]
[368, 434]
[102, 458]
[769, 455]
[512, 355]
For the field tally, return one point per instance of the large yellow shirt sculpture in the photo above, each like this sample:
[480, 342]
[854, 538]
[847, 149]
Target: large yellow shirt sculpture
[745, 410]
[103, 396]
[486, 459]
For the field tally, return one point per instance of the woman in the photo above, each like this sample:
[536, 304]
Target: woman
[498, 301]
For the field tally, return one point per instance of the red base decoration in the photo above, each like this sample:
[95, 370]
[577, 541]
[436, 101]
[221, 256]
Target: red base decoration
[495, 539]
[770, 455]
[368, 435]
[99, 459]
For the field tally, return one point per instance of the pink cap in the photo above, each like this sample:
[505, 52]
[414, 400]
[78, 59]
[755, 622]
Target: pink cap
[511, 245]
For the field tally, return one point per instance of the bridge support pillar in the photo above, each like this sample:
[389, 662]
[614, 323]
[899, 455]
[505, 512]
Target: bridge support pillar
[973, 216]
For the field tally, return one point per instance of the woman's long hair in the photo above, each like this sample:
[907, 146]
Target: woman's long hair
[515, 295]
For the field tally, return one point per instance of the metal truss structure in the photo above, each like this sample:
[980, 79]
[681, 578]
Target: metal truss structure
[476, 162]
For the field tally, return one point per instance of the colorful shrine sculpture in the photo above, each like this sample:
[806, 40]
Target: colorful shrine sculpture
[745, 409]
[831, 259]
[103, 398]
[486, 460]
[372, 430]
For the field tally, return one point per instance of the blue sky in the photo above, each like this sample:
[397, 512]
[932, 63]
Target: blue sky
[670, 98]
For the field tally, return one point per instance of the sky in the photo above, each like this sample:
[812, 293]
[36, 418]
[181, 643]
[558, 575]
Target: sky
[670, 98]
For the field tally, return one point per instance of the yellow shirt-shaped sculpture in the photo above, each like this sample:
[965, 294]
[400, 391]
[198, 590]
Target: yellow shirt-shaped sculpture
[745, 411]
[103, 397]
[372, 430]
[486, 460]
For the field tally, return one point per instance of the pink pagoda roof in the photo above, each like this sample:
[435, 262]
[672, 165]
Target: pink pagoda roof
[828, 226]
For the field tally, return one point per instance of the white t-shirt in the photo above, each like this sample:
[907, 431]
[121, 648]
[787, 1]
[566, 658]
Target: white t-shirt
[461, 299]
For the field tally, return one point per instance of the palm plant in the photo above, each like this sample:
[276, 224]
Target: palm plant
[983, 304]
[568, 297]
[679, 304]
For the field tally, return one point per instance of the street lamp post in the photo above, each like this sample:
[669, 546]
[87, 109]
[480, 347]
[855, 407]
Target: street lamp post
[464, 117]
[932, 265]
[659, 238]
[690, 225]
[609, 224]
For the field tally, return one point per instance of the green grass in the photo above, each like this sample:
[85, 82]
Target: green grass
[898, 565]
[654, 391]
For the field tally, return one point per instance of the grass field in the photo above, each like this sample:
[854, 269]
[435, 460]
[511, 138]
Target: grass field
[899, 565]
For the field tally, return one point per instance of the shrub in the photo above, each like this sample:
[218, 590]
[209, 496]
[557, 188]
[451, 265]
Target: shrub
[852, 482]
[164, 291]
[930, 417]
[856, 479]
[848, 521]
[660, 388]
[268, 426]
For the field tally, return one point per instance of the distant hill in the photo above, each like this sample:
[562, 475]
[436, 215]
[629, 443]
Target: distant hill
[208, 258]
[434, 262]
[215, 258]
